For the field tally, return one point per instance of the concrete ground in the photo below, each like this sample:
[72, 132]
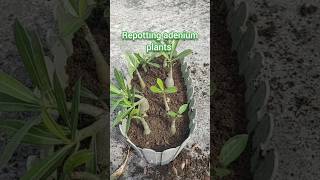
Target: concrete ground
[159, 16]
[289, 36]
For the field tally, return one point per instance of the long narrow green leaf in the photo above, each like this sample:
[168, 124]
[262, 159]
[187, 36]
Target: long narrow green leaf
[120, 79]
[40, 64]
[88, 94]
[16, 89]
[75, 109]
[37, 135]
[67, 24]
[91, 165]
[11, 104]
[47, 166]
[53, 126]
[77, 159]
[174, 47]
[61, 99]
[83, 8]
[232, 149]
[24, 46]
[15, 140]
[183, 54]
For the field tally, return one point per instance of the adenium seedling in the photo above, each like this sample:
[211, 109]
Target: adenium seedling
[133, 65]
[137, 115]
[176, 115]
[147, 60]
[170, 58]
[160, 89]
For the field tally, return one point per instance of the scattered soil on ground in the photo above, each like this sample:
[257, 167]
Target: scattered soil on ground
[160, 137]
[228, 103]
[185, 166]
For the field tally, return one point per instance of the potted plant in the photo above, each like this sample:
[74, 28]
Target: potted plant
[161, 98]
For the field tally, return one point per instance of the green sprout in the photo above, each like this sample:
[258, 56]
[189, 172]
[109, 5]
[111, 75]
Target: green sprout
[170, 59]
[176, 115]
[133, 65]
[160, 89]
[131, 104]
[230, 151]
[147, 60]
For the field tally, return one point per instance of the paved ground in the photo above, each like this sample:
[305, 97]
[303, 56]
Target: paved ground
[159, 16]
[289, 37]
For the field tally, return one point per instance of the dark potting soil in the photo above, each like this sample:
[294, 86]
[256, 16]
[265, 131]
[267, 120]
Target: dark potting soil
[159, 122]
[82, 64]
[228, 103]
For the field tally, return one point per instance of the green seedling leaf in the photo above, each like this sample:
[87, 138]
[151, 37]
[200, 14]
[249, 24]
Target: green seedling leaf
[222, 172]
[11, 104]
[61, 99]
[232, 149]
[174, 47]
[88, 94]
[83, 7]
[75, 109]
[71, 7]
[67, 23]
[171, 90]
[91, 165]
[40, 64]
[120, 79]
[160, 84]
[53, 126]
[182, 108]
[115, 90]
[77, 159]
[14, 88]
[24, 46]
[15, 140]
[37, 135]
[155, 89]
[154, 64]
[120, 116]
[46, 167]
[172, 114]
[184, 54]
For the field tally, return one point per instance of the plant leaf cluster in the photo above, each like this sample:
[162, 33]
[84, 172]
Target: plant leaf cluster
[48, 100]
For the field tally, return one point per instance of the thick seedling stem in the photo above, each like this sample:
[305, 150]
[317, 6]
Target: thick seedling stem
[173, 127]
[165, 102]
[142, 84]
[169, 80]
[102, 67]
[145, 126]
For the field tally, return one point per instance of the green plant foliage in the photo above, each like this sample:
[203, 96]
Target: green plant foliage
[222, 172]
[15, 140]
[232, 149]
[61, 100]
[176, 115]
[161, 89]
[75, 109]
[30, 50]
[76, 159]
[146, 60]
[47, 166]
[37, 135]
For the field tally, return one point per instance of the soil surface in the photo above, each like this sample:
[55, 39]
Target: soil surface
[159, 122]
[82, 63]
[183, 167]
[227, 102]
